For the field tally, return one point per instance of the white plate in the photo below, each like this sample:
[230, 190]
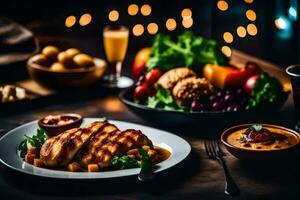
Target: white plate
[9, 155]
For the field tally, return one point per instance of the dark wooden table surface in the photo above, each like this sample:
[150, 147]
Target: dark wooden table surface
[195, 178]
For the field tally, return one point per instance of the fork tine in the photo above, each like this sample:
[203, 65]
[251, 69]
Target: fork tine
[220, 149]
[206, 148]
[212, 150]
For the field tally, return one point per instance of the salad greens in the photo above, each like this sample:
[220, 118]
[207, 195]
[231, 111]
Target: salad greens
[189, 50]
[36, 140]
[267, 90]
[125, 162]
[163, 99]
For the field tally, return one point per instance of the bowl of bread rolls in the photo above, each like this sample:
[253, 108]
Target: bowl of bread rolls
[70, 68]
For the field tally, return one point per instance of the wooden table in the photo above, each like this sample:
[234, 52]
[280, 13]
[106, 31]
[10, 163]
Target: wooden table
[196, 178]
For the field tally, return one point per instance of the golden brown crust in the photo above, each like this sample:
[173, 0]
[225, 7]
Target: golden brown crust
[189, 89]
[61, 149]
[169, 79]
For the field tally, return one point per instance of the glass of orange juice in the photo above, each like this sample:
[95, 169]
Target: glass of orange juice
[115, 41]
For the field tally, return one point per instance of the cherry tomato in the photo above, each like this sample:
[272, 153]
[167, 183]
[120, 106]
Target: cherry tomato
[153, 76]
[142, 92]
[250, 84]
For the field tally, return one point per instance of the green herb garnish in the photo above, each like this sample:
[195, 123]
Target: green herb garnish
[123, 162]
[256, 127]
[146, 162]
[163, 99]
[36, 140]
[243, 139]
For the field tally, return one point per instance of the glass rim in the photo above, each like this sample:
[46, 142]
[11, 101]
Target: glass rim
[287, 70]
[115, 28]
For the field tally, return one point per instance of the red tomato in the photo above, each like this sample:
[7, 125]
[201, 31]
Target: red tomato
[139, 63]
[138, 69]
[153, 76]
[250, 84]
[142, 92]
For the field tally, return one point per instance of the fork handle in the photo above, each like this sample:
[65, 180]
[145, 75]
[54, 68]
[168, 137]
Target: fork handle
[230, 186]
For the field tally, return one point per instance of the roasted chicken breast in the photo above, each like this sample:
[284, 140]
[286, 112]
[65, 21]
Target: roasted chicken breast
[101, 150]
[61, 149]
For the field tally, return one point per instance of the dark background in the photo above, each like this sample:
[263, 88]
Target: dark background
[47, 20]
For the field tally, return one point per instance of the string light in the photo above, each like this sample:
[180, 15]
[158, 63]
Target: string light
[222, 5]
[138, 30]
[252, 29]
[241, 31]
[228, 37]
[146, 10]
[187, 22]
[248, 1]
[85, 19]
[133, 9]
[226, 51]
[152, 28]
[171, 24]
[70, 21]
[251, 15]
[113, 15]
[186, 13]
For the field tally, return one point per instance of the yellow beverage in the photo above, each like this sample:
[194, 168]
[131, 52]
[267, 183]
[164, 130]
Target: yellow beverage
[115, 44]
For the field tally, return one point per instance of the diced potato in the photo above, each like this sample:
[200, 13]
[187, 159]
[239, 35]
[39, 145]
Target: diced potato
[74, 167]
[93, 168]
[38, 162]
[32, 150]
[145, 147]
[151, 153]
[30, 157]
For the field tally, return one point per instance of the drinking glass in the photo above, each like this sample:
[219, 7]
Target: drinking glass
[115, 41]
[294, 72]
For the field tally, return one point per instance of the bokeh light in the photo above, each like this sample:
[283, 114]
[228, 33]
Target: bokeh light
[248, 1]
[186, 13]
[171, 24]
[241, 31]
[113, 15]
[85, 19]
[252, 29]
[152, 28]
[133, 9]
[226, 51]
[187, 22]
[228, 37]
[280, 23]
[138, 30]
[222, 5]
[146, 10]
[70, 21]
[251, 15]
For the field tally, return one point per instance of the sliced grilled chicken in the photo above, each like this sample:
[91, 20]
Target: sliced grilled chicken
[61, 149]
[114, 143]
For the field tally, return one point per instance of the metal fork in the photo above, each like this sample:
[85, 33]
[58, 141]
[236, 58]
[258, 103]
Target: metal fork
[214, 152]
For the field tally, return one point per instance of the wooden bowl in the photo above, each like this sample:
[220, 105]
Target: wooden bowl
[72, 78]
[53, 130]
[259, 154]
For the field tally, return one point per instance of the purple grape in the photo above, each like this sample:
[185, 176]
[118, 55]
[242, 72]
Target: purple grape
[197, 106]
[217, 106]
[213, 98]
[236, 108]
[219, 94]
[229, 92]
[228, 99]
[230, 109]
